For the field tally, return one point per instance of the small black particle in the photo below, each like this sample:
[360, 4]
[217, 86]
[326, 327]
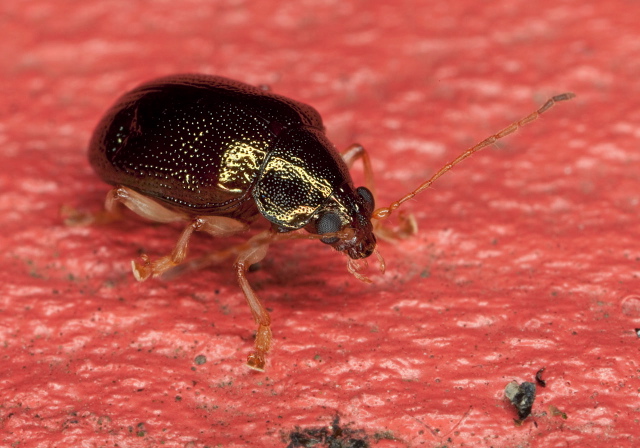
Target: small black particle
[539, 379]
[200, 359]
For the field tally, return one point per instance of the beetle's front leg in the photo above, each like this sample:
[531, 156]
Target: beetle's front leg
[408, 225]
[351, 155]
[406, 228]
[255, 252]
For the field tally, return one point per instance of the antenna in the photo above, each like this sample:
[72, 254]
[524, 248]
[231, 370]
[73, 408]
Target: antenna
[385, 212]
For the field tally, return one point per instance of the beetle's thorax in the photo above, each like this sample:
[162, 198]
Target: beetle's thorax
[300, 174]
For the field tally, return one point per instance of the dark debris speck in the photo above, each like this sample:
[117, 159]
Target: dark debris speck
[522, 397]
[332, 436]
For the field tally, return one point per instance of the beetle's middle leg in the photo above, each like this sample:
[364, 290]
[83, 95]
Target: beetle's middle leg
[256, 250]
[151, 209]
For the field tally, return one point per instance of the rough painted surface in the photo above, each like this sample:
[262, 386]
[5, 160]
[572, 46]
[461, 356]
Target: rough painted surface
[527, 256]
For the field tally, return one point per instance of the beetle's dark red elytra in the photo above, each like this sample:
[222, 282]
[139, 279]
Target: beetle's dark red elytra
[211, 146]
[218, 154]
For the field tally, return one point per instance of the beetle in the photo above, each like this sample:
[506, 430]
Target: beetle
[218, 154]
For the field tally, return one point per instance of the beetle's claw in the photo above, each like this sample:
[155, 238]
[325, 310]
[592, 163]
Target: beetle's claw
[142, 271]
[256, 361]
[145, 269]
[353, 266]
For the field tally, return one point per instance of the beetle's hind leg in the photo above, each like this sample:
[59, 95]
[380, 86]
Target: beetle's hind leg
[110, 212]
[141, 205]
[150, 209]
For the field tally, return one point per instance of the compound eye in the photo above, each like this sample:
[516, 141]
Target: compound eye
[328, 223]
[365, 194]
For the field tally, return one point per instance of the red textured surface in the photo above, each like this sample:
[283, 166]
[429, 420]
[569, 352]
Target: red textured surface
[527, 256]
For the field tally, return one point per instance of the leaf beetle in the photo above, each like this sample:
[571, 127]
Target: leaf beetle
[218, 154]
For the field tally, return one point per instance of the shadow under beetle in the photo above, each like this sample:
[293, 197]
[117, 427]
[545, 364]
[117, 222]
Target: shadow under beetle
[217, 154]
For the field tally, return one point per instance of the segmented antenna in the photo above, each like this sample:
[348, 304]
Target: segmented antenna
[385, 212]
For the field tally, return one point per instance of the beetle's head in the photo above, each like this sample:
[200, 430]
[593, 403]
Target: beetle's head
[346, 220]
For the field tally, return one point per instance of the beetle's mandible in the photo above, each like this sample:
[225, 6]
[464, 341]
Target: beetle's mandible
[218, 154]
